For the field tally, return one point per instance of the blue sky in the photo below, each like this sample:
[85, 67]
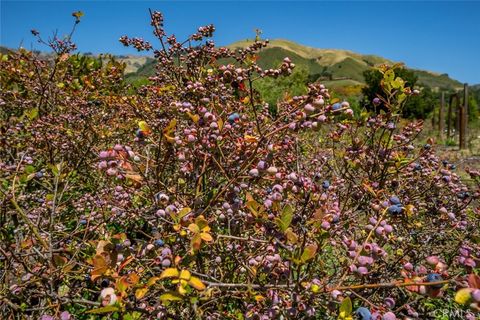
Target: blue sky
[437, 36]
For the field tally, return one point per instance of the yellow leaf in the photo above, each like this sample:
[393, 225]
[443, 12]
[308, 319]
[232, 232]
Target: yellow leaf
[463, 296]
[259, 298]
[141, 292]
[195, 118]
[206, 237]
[193, 228]
[170, 139]
[196, 242]
[181, 289]
[134, 177]
[250, 139]
[144, 126]
[152, 281]
[171, 126]
[169, 273]
[196, 283]
[170, 296]
[201, 222]
[220, 124]
[185, 275]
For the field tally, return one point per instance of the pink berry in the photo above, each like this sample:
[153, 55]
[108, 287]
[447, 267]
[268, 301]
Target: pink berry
[389, 316]
[432, 260]
[476, 295]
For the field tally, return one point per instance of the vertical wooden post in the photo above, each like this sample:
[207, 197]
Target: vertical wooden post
[461, 115]
[449, 117]
[464, 121]
[441, 116]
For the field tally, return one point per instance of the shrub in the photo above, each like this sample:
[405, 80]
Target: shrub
[189, 199]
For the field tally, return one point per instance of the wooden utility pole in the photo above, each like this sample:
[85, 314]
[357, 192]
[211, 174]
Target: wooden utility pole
[441, 116]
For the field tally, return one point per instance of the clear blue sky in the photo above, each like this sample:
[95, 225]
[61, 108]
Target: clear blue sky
[437, 36]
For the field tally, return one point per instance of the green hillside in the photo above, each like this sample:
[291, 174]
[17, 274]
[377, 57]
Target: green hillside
[338, 67]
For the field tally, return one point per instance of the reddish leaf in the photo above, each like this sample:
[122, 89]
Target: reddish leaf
[474, 281]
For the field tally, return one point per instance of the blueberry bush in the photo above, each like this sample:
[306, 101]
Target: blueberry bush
[187, 198]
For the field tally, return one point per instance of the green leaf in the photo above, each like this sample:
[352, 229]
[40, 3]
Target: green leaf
[345, 309]
[389, 75]
[135, 315]
[29, 169]
[398, 83]
[182, 213]
[32, 113]
[286, 218]
[63, 290]
[104, 310]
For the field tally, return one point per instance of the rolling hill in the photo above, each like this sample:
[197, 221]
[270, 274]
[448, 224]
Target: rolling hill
[343, 64]
[336, 67]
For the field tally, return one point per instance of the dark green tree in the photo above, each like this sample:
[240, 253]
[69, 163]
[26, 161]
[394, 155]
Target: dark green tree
[418, 106]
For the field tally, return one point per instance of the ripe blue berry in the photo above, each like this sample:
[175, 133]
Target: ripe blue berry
[363, 313]
[234, 117]
[394, 209]
[104, 283]
[336, 106]
[159, 243]
[326, 184]
[140, 134]
[434, 277]
[463, 195]
[394, 200]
